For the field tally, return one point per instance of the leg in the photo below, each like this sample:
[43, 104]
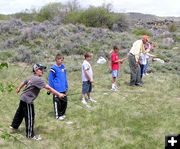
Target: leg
[29, 119]
[133, 69]
[18, 117]
[138, 75]
[56, 103]
[63, 105]
[142, 70]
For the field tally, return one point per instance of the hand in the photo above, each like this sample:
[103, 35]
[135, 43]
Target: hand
[61, 95]
[91, 80]
[48, 93]
[136, 64]
[17, 90]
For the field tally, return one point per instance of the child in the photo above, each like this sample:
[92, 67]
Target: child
[87, 78]
[143, 63]
[58, 80]
[33, 85]
[115, 66]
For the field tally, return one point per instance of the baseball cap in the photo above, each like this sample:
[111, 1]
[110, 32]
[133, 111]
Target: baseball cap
[38, 66]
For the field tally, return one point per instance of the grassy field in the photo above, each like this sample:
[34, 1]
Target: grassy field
[132, 118]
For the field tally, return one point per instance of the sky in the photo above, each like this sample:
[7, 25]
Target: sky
[155, 7]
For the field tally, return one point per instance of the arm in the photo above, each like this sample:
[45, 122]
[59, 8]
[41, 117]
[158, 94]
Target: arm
[66, 81]
[51, 77]
[87, 75]
[20, 86]
[123, 59]
[150, 55]
[60, 95]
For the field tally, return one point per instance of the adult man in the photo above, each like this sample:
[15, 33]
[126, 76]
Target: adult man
[133, 58]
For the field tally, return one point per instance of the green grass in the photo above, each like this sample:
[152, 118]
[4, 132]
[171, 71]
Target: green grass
[132, 118]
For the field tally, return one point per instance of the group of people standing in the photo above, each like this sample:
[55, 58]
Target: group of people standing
[138, 58]
[58, 84]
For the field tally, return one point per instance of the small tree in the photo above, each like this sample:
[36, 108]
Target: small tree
[49, 11]
[172, 27]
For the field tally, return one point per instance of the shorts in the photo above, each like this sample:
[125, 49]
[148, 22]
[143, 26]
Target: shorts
[86, 87]
[115, 73]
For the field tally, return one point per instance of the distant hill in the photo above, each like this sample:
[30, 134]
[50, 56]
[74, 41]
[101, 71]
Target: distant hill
[133, 16]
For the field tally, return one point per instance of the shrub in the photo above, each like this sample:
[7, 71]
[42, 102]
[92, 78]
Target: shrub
[141, 31]
[4, 55]
[96, 17]
[49, 11]
[25, 16]
[172, 27]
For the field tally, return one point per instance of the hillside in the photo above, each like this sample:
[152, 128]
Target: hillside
[131, 118]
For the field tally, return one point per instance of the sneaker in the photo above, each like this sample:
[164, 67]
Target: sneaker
[146, 74]
[92, 100]
[37, 138]
[113, 89]
[61, 118]
[87, 106]
[139, 84]
[84, 101]
[13, 130]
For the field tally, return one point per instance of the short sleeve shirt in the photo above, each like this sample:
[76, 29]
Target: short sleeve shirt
[114, 57]
[32, 89]
[86, 66]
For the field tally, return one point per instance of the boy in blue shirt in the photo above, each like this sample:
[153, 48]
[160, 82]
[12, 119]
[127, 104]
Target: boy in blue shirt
[58, 81]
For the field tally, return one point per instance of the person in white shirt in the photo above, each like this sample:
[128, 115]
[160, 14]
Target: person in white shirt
[87, 78]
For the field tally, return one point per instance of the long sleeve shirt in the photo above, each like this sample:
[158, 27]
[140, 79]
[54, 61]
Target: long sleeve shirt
[137, 49]
[58, 79]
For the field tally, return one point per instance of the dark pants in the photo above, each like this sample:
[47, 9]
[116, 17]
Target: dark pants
[134, 69]
[26, 111]
[142, 69]
[146, 67]
[60, 105]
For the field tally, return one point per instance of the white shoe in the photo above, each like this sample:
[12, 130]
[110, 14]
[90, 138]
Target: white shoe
[92, 100]
[13, 130]
[116, 87]
[84, 101]
[37, 138]
[146, 74]
[61, 118]
[88, 106]
[113, 89]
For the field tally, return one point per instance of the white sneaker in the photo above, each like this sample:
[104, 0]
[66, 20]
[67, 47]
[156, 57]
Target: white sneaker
[92, 100]
[84, 101]
[37, 138]
[146, 74]
[13, 130]
[113, 89]
[116, 87]
[61, 118]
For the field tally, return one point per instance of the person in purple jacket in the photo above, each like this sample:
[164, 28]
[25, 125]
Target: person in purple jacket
[58, 80]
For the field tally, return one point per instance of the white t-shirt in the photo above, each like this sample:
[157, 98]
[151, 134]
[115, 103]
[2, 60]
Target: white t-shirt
[143, 58]
[86, 66]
